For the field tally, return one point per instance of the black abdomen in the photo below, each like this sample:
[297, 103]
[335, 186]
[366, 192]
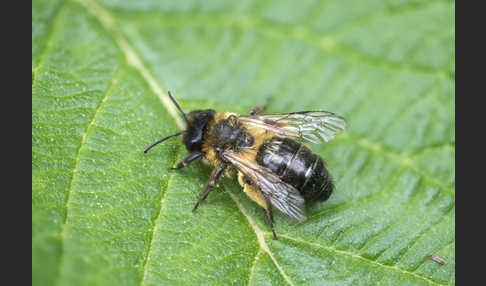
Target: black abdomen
[296, 165]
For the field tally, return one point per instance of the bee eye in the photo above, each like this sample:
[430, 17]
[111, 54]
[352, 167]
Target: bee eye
[218, 150]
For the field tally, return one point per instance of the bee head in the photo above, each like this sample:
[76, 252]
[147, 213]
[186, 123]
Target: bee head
[197, 121]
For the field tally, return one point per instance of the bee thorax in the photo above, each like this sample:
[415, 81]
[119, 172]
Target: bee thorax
[228, 134]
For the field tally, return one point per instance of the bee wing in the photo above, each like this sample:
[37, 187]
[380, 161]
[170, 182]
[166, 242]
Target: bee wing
[281, 195]
[312, 126]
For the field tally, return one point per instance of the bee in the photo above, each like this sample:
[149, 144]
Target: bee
[265, 153]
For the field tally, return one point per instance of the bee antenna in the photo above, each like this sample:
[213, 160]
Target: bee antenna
[178, 107]
[162, 140]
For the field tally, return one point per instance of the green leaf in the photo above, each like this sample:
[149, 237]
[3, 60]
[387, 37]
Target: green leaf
[104, 213]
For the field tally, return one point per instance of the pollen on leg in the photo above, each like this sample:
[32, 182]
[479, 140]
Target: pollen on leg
[251, 190]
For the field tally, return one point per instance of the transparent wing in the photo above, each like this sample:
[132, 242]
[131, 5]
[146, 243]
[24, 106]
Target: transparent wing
[281, 195]
[312, 126]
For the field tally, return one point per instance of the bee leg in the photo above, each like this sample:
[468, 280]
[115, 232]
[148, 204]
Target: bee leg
[189, 159]
[269, 215]
[255, 194]
[255, 110]
[213, 181]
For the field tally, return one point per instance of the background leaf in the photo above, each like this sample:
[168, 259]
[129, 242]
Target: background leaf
[103, 213]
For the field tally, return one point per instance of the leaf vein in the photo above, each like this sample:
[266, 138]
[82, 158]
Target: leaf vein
[403, 160]
[260, 236]
[53, 29]
[76, 164]
[359, 257]
[252, 268]
[200, 244]
[422, 233]
[156, 222]
[131, 56]
[308, 35]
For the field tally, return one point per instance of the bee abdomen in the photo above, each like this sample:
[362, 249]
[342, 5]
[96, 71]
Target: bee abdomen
[296, 165]
[318, 185]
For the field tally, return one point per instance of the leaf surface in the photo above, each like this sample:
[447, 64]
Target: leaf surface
[104, 213]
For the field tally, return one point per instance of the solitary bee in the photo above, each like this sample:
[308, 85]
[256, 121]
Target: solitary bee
[272, 167]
